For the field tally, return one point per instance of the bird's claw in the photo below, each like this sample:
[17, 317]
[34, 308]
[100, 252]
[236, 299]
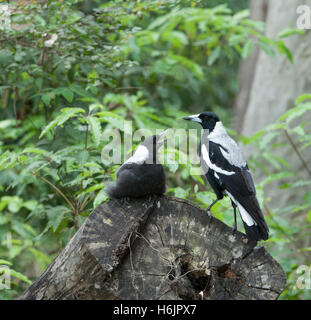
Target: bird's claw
[152, 197]
[125, 200]
[209, 214]
[234, 230]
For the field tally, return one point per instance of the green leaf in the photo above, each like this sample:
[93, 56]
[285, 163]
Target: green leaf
[94, 188]
[283, 49]
[115, 121]
[5, 262]
[247, 49]
[241, 14]
[66, 114]
[267, 48]
[214, 56]
[277, 176]
[34, 150]
[7, 123]
[68, 94]
[159, 22]
[19, 276]
[287, 32]
[14, 203]
[205, 197]
[295, 112]
[222, 8]
[48, 128]
[30, 204]
[40, 257]
[303, 97]
[95, 128]
[177, 38]
[180, 193]
[100, 198]
[5, 56]
[14, 251]
[247, 140]
[39, 20]
[187, 63]
[95, 106]
[257, 25]
[46, 98]
[56, 215]
[20, 229]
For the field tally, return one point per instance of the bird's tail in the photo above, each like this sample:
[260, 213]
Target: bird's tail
[256, 230]
[113, 191]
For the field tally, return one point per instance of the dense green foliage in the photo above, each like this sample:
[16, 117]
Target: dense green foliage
[69, 74]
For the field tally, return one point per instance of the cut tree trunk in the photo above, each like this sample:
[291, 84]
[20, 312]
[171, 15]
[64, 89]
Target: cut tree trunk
[158, 248]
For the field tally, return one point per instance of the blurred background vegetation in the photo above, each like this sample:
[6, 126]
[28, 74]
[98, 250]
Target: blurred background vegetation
[72, 70]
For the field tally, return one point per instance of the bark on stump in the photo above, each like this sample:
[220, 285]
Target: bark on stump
[160, 248]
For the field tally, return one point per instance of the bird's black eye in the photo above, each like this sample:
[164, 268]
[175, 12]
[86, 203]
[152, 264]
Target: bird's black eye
[205, 117]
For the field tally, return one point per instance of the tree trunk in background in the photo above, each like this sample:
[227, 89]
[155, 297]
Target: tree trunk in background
[270, 86]
[258, 9]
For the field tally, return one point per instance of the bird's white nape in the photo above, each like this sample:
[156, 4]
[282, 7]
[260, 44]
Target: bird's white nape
[229, 148]
[140, 155]
[219, 130]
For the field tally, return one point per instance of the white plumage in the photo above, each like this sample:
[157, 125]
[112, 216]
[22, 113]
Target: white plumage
[140, 155]
[244, 214]
[233, 154]
[212, 166]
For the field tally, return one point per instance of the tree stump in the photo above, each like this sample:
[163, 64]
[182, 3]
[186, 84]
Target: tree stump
[159, 248]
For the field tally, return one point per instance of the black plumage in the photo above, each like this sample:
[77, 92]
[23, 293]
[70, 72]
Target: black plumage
[228, 174]
[142, 174]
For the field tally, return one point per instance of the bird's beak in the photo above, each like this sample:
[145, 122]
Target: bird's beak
[161, 137]
[194, 118]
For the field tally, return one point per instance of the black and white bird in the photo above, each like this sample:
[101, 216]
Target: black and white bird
[142, 174]
[228, 174]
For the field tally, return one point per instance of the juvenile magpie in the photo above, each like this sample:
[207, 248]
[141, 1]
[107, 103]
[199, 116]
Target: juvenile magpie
[142, 174]
[228, 174]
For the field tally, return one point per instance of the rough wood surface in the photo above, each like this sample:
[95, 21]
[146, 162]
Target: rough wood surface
[160, 248]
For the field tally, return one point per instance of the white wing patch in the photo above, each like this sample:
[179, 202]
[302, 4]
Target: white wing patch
[206, 158]
[244, 214]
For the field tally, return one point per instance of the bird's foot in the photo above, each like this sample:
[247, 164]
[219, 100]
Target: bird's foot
[125, 200]
[152, 197]
[234, 230]
[209, 214]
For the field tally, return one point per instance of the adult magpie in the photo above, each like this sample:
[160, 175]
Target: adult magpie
[228, 174]
[142, 174]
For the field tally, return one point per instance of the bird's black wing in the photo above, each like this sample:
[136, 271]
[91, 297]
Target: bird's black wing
[134, 180]
[239, 183]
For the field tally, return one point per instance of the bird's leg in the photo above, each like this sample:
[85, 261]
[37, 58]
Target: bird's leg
[152, 197]
[125, 200]
[209, 208]
[234, 210]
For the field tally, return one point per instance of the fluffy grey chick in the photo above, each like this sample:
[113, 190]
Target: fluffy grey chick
[142, 174]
